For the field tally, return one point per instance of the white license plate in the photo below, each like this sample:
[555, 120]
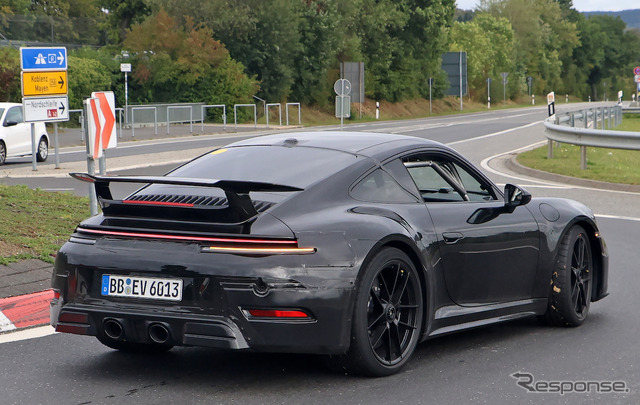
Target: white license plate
[142, 287]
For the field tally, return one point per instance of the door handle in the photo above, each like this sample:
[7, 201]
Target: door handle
[452, 237]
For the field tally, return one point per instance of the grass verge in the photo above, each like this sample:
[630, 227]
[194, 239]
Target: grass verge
[35, 223]
[611, 165]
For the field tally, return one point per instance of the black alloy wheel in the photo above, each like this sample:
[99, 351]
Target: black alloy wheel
[388, 316]
[572, 280]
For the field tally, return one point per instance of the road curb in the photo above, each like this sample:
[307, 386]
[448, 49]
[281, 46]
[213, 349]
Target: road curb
[24, 311]
[512, 164]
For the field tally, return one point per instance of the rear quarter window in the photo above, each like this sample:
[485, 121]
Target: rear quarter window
[379, 186]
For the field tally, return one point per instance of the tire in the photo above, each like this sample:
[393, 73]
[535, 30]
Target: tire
[387, 317]
[571, 281]
[3, 153]
[43, 150]
[132, 347]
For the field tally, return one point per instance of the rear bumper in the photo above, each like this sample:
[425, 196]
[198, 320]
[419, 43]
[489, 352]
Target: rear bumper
[225, 323]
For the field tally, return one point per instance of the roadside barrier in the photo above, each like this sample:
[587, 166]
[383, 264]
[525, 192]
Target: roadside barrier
[593, 129]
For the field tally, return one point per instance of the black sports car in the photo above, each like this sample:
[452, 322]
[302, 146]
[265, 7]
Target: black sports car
[352, 245]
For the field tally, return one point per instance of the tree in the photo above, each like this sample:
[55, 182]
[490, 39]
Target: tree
[319, 25]
[616, 49]
[10, 74]
[85, 76]
[489, 43]
[541, 37]
[122, 14]
[183, 63]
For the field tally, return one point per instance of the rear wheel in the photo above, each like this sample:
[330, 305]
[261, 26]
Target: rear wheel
[43, 150]
[3, 152]
[571, 281]
[387, 317]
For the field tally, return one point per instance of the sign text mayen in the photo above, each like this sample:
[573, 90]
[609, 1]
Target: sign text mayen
[44, 83]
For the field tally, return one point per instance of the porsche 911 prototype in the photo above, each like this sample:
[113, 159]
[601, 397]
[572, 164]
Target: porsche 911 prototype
[356, 246]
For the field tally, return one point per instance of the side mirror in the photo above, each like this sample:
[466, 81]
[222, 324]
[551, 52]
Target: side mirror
[10, 123]
[515, 196]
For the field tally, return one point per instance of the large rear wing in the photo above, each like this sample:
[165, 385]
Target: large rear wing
[239, 207]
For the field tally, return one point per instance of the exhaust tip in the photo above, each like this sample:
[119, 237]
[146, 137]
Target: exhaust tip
[158, 333]
[112, 328]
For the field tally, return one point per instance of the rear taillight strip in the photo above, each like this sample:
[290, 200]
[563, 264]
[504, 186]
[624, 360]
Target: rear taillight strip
[259, 250]
[277, 313]
[187, 238]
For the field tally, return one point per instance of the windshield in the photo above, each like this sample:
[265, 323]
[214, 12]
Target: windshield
[291, 166]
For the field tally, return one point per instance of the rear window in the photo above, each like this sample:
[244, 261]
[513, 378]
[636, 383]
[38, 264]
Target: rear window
[291, 166]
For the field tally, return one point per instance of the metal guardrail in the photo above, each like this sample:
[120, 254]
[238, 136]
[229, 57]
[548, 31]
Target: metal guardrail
[299, 112]
[631, 110]
[596, 132]
[279, 112]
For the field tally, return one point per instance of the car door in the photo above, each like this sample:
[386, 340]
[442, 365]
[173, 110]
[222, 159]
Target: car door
[17, 133]
[489, 253]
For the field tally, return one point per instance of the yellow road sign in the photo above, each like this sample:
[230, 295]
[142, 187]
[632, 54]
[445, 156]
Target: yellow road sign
[44, 83]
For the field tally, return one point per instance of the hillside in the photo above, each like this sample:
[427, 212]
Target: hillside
[630, 17]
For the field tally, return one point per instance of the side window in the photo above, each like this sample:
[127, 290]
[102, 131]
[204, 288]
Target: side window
[476, 190]
[443, 180]
[379, 186]
[432, 185]
[14, 114]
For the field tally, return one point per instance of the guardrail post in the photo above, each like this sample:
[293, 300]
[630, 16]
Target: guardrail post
[583, 157]
[585, 118]
[550, 149]
[572, 120]
[610, 117]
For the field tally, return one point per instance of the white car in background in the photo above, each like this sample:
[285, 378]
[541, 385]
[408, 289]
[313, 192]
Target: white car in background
[15, 134]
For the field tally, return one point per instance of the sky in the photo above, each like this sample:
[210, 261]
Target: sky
[580, 5]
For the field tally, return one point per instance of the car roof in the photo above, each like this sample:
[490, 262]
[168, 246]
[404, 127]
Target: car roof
[362, 143]
[7, 105]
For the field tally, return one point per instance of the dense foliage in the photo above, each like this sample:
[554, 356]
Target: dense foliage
[216, 51]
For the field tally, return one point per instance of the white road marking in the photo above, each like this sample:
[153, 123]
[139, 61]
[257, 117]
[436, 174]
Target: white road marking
[5, 323]
[147, 142]
[494, 133]
[57, 189]
[558, 187]
[543, 183]
[617, 217]
[25, 334]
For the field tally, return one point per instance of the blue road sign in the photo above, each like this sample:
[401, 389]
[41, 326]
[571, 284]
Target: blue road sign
[43, 58]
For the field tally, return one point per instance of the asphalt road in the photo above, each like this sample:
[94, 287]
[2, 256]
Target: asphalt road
[473, 366]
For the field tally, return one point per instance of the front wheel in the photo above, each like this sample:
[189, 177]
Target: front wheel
[43, 150]
[571, 282]
[387, 316]
[3, 152]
